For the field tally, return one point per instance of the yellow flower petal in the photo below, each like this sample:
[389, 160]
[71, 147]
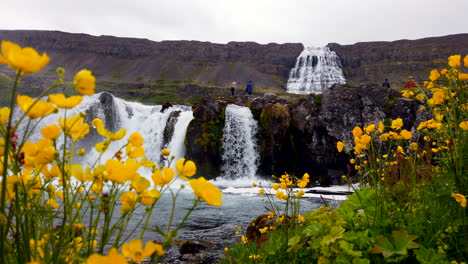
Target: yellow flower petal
[24, 60]
[84, 82]
[62, 102]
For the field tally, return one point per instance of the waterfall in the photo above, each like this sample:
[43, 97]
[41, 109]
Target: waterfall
[240, 156]
[148, 120]
[316, 70]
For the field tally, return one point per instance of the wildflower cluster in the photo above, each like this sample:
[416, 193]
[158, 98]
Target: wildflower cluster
[53, 210]
[411, 206]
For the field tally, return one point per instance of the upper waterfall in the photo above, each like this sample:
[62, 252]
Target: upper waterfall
[240, 155]
[316, 69]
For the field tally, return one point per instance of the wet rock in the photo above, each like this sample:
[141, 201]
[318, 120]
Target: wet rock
[165, 106]
[195, 246]
[203, 140]
[170, 126]
[253, 230]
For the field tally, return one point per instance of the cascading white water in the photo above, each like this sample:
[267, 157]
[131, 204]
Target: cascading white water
[177, 144]
[240, 156]
[316, 69]
[134, 117]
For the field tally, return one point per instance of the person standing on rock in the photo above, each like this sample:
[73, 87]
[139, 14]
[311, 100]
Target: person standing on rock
[386, 84]
[233, 87]
[249, 88]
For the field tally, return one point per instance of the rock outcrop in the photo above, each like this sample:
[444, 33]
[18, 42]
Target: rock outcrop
[203, 141]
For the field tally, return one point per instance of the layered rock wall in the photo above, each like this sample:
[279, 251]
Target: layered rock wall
[143, 61]
[372, 62]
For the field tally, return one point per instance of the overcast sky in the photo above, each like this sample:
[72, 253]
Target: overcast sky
[312, 22]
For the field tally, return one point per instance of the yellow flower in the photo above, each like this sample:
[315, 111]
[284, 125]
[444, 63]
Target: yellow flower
[281, 196]
[24, 60]
[206, 191]
[77, 172]
[161, 178]
[463, 125]
[463, 76]
[465, 61]
[300, 218]
[147, 163]
[113, 257]
[136, 139]
[50, 132]
[263, 230]
[52, 203]
[405, 134]
[140, 184]
[4, 114]
[134, 152]
[352, 161]
[165, 152]
[185, 168]
[74, 126]
[84, 82]
[370, 128]
[149, 197]
[261, 192]
[438, 98]
[62, 102]
[255, 256]
[357, 131]
[414, 146]
[460, 198]
[245, 239]
[38, 154]
[434, 75]
[454, 61]
[40, 109]
[135, 251]
[99, 125]
[407, 93]
[81, 152]
[275, 186]
[102, 146]
[397, 123]
[420, 97]
[299, 194]
[119, 172]
[339, 146]
[381, 127]
[128, 200]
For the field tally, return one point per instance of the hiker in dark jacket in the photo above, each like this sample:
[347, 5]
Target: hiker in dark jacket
[249, 88]
[386, 84]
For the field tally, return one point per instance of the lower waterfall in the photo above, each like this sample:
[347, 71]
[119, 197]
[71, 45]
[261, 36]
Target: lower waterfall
[240, 155]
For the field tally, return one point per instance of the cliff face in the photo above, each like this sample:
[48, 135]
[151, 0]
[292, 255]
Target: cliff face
[374, 61]
[143, 61]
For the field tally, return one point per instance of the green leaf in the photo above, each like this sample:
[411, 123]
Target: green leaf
[361, 261]
[348, 249]
[312, 230]
[336, 232]
[294, 240]
[398, 243]
[429, 256]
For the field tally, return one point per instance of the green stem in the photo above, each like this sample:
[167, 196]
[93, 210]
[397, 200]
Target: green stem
[3, 214]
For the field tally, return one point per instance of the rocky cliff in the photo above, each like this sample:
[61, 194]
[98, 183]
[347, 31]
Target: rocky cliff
[157, 64]
[374, 61]
[300, 136]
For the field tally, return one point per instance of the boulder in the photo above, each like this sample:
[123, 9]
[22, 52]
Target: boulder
[203, 140]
